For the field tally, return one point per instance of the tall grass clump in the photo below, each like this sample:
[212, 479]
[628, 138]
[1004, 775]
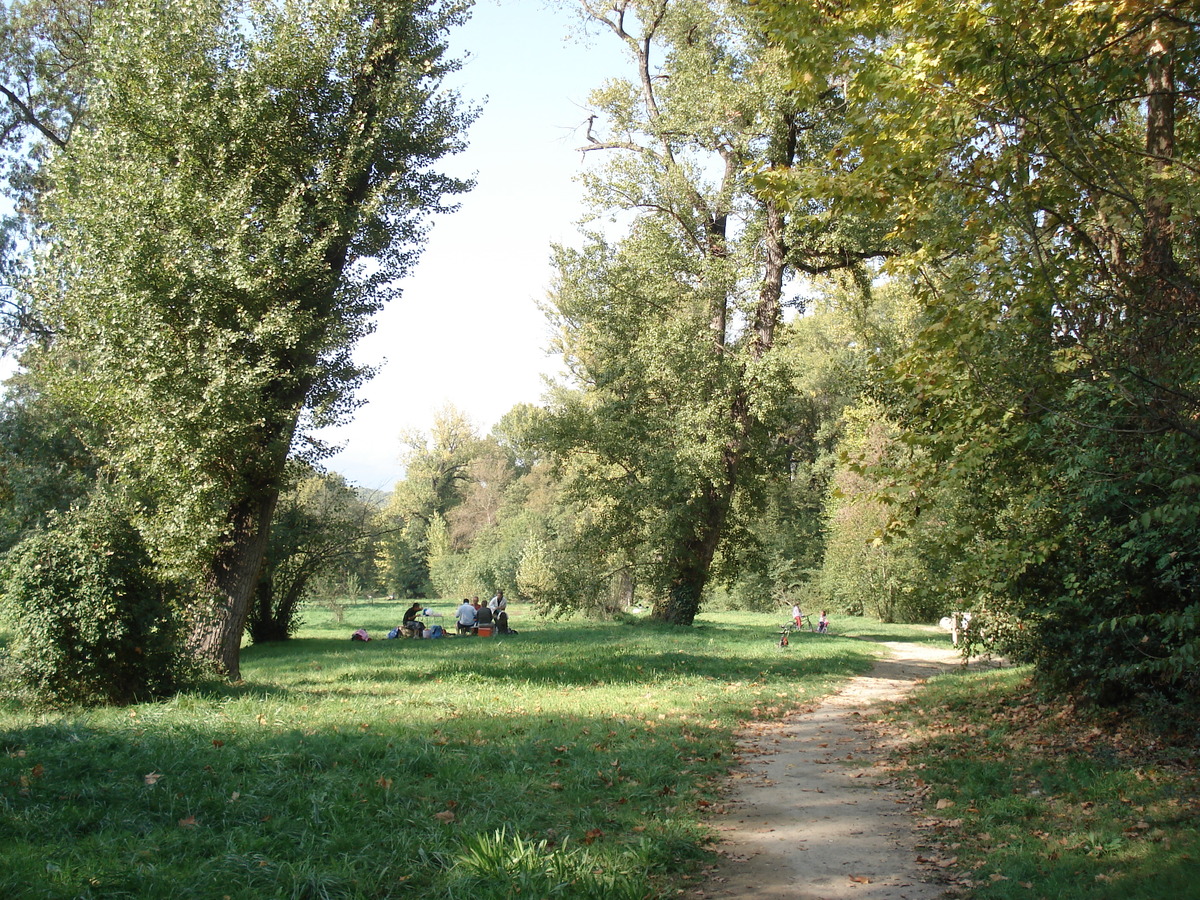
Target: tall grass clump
[504, 866]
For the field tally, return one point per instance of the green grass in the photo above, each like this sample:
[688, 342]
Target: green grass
[573, 759]
[1037, 799]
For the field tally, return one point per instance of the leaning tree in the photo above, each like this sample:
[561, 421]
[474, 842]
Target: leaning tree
[243, 183]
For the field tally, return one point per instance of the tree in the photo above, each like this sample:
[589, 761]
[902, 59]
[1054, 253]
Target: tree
[1047, 174]
[321, 528]
[436, 478]
[44, 73]
[668, 330]
[247, 184]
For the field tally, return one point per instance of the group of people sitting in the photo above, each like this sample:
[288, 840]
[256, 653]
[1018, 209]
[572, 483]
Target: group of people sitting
[473, 615]
[470, 616]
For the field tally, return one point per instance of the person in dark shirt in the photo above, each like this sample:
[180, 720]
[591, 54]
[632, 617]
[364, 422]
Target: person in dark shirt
[410, 623]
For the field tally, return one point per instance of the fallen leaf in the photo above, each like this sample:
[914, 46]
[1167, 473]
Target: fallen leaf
[945, 804]
[152, 778]
[189, 822]
[444, 816]
[860, 879]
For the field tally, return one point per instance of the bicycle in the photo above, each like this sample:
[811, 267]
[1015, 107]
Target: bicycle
[806, 621]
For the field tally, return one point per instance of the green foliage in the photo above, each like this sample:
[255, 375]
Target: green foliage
[45, 466]
[248, 185]
[323, 534]
[91, 619]
[668, 433]
[437, 479]
[865, 569]
[535, 572]
[1044, 178]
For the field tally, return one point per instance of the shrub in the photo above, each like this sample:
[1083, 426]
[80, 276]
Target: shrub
[91, 620]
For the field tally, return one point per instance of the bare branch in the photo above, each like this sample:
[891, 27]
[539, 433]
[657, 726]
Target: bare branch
[28, 115]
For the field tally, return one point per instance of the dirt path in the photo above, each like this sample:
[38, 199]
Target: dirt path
[810, 817]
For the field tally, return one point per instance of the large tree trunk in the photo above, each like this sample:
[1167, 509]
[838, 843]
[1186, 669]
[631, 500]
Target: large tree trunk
[690, 572]
[229, 585]
[690, 564]
[218, 624]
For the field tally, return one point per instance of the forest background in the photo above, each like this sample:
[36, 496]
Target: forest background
[879, 308]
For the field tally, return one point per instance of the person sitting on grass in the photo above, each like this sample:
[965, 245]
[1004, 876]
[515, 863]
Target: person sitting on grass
[465, 617]
[483, 616]
[498, 603]
[410, 624]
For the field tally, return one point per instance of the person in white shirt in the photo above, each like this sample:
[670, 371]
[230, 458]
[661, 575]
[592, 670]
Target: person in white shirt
[498, 603]
[465, 617]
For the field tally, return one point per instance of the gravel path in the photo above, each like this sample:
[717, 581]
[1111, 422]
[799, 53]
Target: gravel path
[810, 816]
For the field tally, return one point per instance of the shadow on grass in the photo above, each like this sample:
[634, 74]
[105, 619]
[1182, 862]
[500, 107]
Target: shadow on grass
[242, 808]
[930, 635]
[606, 654]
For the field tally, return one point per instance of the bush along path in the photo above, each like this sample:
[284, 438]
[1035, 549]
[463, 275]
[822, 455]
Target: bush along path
[812, 812]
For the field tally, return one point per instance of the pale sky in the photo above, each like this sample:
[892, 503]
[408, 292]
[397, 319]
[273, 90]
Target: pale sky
[468, 331]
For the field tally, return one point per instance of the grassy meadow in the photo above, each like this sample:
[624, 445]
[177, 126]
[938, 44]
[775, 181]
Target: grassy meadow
[572, 760]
